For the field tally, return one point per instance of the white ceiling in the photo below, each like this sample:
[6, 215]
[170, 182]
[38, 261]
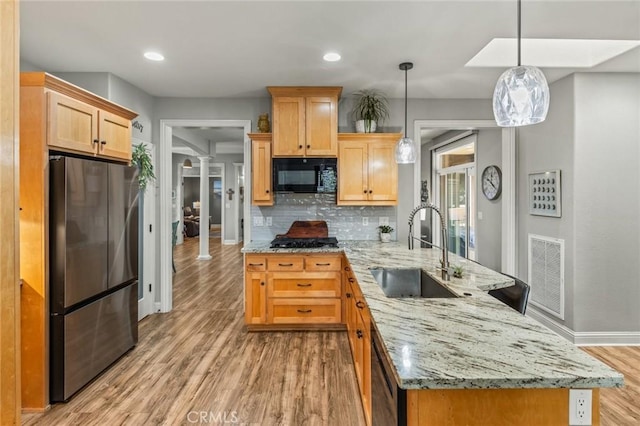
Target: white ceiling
[235, 49]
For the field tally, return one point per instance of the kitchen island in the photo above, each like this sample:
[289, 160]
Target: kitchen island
[470, 359]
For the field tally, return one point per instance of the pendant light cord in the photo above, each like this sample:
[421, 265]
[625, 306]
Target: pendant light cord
[405, 103]
[519, 30]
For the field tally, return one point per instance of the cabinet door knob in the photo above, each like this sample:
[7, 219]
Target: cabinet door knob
[371, 191]
[351, 280]
[308, 146]
[95, 141]
[267, 191]
[359, 334]
[299, 146]
[261, 282]
[360, 304]
[103, 142]
[348, 295]
[365, 191]
[346, 268]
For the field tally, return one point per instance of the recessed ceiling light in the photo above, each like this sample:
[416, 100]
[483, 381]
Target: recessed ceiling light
[331, 57]
[154, 56]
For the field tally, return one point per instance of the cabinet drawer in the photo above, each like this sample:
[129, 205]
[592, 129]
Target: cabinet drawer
[255, 263]
[303, 311]
[323, 264]
[289, 263]
[318, 284]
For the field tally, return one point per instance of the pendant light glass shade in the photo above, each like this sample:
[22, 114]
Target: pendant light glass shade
[521, 97]
[187, 164]
[405, 148]
[405, 151]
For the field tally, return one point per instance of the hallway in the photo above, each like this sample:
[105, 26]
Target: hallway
[197, 364]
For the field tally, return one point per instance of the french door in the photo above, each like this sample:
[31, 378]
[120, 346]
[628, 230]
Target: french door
[455, 195]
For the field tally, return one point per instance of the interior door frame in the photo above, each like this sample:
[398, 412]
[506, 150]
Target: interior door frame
[164, 179]
[509, 183]
[147, 277]
[221, 175]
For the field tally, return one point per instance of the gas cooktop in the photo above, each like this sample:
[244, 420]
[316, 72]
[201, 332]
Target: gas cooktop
[286, 242]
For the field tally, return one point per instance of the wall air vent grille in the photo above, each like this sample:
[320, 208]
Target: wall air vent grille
[546, 274]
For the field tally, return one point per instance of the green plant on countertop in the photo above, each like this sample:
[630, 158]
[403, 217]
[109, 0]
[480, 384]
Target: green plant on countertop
[457, 271]
[385, 229]
[141, 159]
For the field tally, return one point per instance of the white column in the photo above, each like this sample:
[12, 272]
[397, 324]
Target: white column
[204, 209]
[509, 190]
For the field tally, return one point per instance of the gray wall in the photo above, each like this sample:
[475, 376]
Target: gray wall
[607, 202]
[489, 228]
[592, 133]
[548, 146]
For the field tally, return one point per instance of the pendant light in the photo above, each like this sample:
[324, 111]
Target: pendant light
[405, 148]
[187, 164]
[521, 96]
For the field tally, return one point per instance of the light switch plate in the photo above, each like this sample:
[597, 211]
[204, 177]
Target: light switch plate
[258, 221]
[365, 221]
[269, 221]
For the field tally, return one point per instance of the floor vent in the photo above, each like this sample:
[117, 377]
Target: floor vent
[546, 274]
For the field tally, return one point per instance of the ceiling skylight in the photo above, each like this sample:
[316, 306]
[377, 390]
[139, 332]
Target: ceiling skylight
[550, 53]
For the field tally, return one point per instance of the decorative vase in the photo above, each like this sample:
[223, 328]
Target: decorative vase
[263, 123]
[385, 237]
[365, 126]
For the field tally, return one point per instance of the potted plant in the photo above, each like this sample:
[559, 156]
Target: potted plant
[141, 159]
[370, 109]
[385, 233]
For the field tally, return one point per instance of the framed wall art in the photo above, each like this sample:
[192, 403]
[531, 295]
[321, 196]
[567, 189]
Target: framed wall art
[545, 198]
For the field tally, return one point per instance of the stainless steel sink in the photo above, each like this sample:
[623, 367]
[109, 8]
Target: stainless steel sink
[409, 282]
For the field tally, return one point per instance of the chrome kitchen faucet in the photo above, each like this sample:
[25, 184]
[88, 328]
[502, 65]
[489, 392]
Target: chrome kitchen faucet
[444, 262]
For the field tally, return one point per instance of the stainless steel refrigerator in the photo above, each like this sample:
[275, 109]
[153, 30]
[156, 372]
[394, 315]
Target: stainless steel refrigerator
[94, 269]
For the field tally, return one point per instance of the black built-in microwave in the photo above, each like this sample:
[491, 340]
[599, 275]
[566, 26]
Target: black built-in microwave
[306, 175]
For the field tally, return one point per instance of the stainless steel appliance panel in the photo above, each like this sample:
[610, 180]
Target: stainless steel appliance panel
[95, 336]
[79, 228]
[123, 224]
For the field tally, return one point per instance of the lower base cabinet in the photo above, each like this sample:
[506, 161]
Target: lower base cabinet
[293, 290]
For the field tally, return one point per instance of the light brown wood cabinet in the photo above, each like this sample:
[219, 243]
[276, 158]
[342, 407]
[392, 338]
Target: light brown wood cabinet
[261, 187]
[293, 290]
[54, 116]
[358, 320]
[367, 169]
[305, 121]
[81, 127]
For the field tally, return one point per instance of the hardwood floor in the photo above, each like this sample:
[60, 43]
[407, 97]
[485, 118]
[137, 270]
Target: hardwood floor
[620, 406]
[197, 364]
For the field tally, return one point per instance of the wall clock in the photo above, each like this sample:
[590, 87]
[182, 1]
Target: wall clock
[492, 182]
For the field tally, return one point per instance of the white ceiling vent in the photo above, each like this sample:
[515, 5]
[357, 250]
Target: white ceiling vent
[546, 274]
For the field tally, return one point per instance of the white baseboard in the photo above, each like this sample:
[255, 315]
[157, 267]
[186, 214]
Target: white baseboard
[157, 307]
[229, 242]
[586, 338]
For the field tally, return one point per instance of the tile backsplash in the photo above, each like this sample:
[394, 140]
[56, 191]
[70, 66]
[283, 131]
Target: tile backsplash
[344, 222]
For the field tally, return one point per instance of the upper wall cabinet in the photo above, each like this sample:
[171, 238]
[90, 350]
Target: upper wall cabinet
[261, 192]
[305, 121]
[78, 121]
[367, 169]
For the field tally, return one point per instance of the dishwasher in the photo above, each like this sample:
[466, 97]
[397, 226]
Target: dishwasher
[388, 401]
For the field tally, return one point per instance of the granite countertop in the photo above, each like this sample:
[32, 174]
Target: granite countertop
[470, 342]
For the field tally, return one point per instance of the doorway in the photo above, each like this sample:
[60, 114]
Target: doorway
[455, 194]
[165, 195]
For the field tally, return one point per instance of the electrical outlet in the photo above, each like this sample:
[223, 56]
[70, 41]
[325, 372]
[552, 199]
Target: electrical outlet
[258, 221]
[269, 221]
[365, 221]
[579, 407]
[383, 220]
